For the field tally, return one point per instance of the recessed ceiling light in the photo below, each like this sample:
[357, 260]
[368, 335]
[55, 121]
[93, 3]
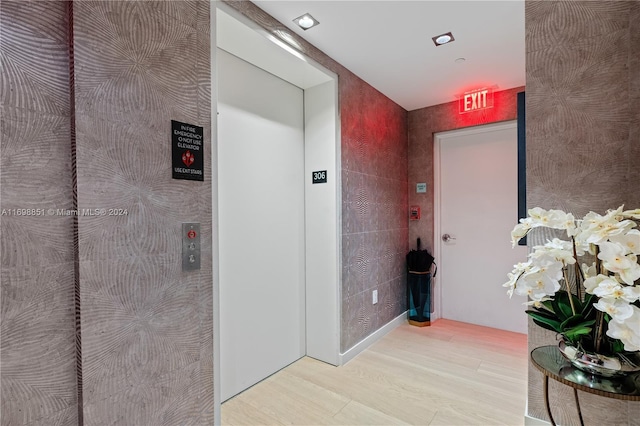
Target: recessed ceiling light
[460, 60]
[306, 21]
[441, 39]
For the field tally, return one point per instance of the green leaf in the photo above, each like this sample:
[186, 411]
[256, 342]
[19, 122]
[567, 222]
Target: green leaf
[587, 306]
[561, 305]
[571, 321]
[544, 325]
[576, 303]
[544, 313]
[617, 346]
[544, 322]
[548, 304]
[574, 333]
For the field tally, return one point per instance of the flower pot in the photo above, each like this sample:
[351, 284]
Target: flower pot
[617, 365]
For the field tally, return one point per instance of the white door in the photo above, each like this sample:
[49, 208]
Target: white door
[478, 208]
[261, 223]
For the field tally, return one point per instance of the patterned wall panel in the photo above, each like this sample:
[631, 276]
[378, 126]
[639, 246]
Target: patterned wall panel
[374, 200]
[374, 208]
[37, 355]
[147, 343]
[582, 141]
[423, 123]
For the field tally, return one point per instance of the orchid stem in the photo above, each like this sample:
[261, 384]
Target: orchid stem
[599, 327]
[599, 314]
[578, 271]
[566, 282]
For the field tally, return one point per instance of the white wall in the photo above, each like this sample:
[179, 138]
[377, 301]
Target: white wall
[322, 219]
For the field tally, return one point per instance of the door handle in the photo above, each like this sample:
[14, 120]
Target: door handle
[446, 238]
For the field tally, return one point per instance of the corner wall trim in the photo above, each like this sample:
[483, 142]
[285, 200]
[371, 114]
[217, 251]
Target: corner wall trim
[372, 338]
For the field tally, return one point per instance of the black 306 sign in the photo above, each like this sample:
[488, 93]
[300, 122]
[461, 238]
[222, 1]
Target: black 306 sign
[319, 177]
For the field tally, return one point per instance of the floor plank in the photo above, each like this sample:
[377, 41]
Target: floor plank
[451, 373]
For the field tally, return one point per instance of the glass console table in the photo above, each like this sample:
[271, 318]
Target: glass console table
[552, 364]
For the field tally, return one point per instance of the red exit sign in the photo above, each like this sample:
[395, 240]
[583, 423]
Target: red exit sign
[476, 100]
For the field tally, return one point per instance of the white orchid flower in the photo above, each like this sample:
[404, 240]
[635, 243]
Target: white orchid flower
[557, 244]
[630, 240]
[589, 270]
[615, 214]
[561, 251]
[592, 220]
[556, 219]
[546, 265]
[519, 232]
[618, 309]
[615, 258]
[538, 216]
[606, 230]
[569, 223]
[518, 270]
[536, 285]
[630, 293]
[629, 276]
[537, 302]
[632, 214]
[595, 228]
[511, 283]
[581, 246]
[608, 288]
[627, 331]
[591, 283]
[627, 293]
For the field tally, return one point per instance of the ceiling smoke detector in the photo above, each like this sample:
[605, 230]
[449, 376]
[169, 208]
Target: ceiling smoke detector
[441, 39]
[306, 21]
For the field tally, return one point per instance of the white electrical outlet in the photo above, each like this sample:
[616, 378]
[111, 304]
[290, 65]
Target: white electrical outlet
[375, 296]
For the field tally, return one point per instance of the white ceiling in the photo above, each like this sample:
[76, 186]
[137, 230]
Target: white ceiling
[254, 45]
[388, 44]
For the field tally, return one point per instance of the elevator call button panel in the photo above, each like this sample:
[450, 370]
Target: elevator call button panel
[190, 246]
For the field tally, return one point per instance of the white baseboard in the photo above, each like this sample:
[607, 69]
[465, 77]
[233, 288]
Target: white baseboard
[532, 421]
[372, 338]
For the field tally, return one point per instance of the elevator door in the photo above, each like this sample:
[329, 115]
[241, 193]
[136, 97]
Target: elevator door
[261, 223]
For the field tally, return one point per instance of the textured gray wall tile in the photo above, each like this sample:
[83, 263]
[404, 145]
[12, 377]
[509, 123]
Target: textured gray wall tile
[385, 306]
[145, 324]
[350, 285]
[350, 330]
[32, 139]
[168, 399]
[35, 57]
[37, 355]
[36, 241]
[582, 140]
[148, 65]
[564, 22]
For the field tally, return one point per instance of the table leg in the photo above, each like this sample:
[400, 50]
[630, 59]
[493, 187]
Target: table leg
[545, 388]
[575, 394]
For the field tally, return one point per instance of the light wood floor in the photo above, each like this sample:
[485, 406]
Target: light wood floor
[451, 373]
